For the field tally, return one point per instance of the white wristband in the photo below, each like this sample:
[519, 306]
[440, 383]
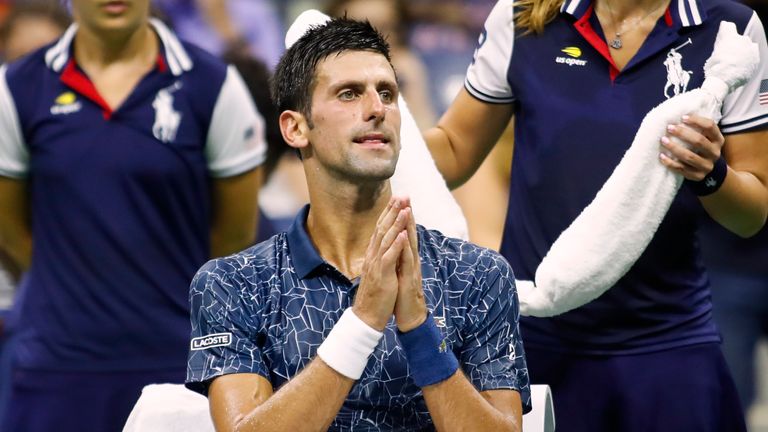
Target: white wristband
[348, 346]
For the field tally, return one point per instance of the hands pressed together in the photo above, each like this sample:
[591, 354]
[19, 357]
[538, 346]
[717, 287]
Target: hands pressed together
[391, 276]
[704, 140]
[390, 284]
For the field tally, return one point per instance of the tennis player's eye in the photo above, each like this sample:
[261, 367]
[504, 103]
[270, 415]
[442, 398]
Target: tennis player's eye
[386, 96]
[347, 95]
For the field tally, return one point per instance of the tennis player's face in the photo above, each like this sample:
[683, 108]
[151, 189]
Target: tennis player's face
[355, 116]
[111, 15]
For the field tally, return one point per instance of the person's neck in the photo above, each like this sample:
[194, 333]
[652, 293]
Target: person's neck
[99, 50]
[342, 220]
[628, 9]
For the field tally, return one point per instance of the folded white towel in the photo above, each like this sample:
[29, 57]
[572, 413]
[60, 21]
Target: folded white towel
[169, 408]
[173, 408]
[610, 234]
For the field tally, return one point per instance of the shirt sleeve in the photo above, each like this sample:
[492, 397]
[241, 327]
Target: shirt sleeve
[14, 157]
[747, 107]
[493, 356]
[487, 75]
[224, 323]
[236, 140]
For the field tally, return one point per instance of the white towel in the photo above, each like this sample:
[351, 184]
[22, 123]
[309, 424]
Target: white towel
[610, 234]
[169, 408]
[173, 408]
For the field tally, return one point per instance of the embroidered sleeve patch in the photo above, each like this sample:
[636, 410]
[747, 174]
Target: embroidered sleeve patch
[210, 341]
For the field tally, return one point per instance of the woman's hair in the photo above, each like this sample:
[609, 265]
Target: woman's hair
[532, 15]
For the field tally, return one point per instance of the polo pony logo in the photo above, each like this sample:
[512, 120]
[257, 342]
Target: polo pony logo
[677, 77]
[167, 119]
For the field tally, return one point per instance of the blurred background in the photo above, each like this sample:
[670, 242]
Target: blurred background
[432, 44]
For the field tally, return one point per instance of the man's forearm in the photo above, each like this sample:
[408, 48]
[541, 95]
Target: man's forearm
[308, 402]
[456, 405]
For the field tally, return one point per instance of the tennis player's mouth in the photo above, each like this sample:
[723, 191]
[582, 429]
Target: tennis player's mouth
[115, 7]
[372, 139]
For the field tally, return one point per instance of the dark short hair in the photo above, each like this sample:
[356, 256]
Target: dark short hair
[294, 78]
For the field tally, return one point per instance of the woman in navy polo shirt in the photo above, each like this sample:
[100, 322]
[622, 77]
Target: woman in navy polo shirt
[579, 76]
[127, 159]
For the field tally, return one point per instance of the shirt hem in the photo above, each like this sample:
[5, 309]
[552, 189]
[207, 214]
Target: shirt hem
[18, 175]
[201, 385]
[477, 94]
[526, 407]
[755, 123]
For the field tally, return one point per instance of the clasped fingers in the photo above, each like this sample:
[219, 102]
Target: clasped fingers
[379, 281]
[411, 308]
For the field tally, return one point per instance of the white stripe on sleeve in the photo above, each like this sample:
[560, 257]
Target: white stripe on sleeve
[742, 109]
[236, 138]
[14, 157]
[487, 75]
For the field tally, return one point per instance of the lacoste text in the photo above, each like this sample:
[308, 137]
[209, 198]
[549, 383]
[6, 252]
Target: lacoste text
[210, 341]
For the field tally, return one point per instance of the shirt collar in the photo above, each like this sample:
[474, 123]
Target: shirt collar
[303, 252]
[684, 13]
[176, 56]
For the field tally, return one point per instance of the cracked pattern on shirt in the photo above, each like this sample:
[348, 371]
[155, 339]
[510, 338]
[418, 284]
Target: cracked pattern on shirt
[278, 320]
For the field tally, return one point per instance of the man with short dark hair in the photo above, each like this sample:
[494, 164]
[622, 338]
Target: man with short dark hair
[356, 318]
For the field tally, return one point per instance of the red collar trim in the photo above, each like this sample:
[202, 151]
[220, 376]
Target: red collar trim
[584, 27]
[75, 79]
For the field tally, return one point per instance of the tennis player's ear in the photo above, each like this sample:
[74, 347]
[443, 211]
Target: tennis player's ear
[294, 127]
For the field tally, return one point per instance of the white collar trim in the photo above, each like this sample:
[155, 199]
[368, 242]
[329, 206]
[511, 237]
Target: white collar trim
[178, 60]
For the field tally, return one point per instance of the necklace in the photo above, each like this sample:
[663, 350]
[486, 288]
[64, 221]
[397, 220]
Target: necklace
[616, 43]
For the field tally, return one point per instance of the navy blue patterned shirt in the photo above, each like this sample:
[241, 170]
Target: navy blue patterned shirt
[267, 309]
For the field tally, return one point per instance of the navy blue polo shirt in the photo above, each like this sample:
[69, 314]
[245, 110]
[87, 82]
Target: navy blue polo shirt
[575, 116]
[267, 309]
[120, 201]
[726, 252]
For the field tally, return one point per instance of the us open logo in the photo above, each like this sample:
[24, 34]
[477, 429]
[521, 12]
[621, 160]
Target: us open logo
[573, 57]
[210, 341]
